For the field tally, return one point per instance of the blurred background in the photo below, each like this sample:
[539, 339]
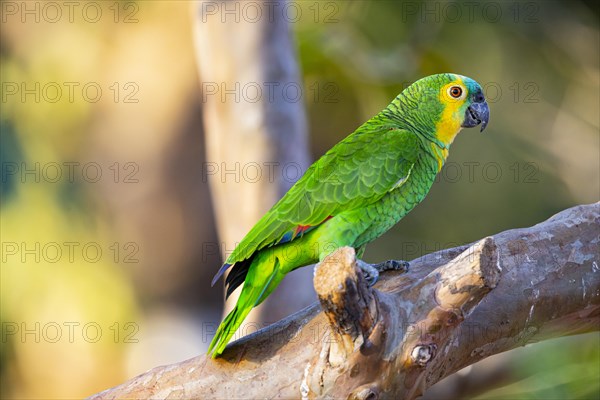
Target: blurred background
[110, 232]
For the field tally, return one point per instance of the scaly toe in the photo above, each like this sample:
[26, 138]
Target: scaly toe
[394, 265]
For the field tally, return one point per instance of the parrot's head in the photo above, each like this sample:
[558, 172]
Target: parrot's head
[447, 103]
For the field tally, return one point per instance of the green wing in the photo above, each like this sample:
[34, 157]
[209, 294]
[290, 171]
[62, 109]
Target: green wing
[354, 173]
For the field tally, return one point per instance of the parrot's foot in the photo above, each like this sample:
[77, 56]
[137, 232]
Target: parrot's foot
[393, 265]
[369, 271]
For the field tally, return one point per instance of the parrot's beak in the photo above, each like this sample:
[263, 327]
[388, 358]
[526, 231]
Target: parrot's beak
[477, 113]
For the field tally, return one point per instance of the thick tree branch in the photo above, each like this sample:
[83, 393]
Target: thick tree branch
[453, 308]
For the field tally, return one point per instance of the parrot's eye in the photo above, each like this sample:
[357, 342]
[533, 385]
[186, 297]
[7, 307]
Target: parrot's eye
[455, 91]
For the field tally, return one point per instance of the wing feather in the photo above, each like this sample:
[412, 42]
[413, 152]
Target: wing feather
[356, 172]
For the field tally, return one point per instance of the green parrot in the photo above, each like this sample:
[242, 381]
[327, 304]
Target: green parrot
[354, 193]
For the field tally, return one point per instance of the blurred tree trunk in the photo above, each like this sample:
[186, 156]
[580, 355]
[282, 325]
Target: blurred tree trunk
[255, 126]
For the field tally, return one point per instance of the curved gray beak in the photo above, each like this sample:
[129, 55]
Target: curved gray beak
[477, 113]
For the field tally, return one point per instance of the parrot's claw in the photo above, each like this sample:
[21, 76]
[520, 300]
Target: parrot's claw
[369, 271]
[393, 265]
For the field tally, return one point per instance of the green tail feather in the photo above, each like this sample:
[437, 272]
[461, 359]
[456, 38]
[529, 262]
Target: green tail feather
[250, 297]
[226, 330]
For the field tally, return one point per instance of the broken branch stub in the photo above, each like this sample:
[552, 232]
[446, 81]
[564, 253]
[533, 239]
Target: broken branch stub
[345, 298]
[467, 278]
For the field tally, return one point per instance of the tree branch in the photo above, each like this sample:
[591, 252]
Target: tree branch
[453, 308]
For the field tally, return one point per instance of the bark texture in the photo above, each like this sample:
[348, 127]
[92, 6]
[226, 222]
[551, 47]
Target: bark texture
[452, 309]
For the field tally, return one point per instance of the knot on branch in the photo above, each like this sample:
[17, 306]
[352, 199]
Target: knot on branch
[366, 392]
[421, 355]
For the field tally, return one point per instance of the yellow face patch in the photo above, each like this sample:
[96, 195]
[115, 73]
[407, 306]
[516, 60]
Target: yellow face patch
[453, 97]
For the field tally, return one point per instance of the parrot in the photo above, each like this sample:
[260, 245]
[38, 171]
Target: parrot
[354, 193]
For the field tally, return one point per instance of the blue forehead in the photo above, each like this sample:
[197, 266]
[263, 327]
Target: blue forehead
[471, 84]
